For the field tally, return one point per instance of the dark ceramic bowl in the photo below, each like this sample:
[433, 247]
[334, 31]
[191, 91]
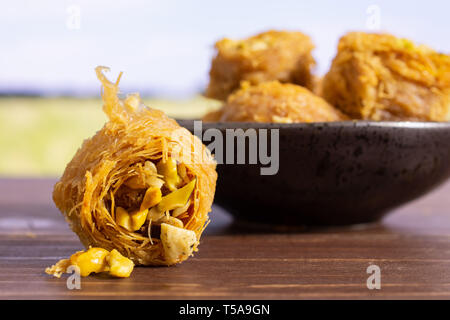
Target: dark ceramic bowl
[335, 173]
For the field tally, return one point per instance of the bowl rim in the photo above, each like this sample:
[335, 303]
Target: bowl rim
[334, 124]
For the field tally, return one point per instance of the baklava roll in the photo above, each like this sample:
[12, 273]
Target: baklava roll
[142, 185]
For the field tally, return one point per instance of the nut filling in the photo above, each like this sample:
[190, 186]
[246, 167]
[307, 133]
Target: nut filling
[158, 193]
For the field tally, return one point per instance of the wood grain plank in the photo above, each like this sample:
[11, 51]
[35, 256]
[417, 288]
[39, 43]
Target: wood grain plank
[411, 246]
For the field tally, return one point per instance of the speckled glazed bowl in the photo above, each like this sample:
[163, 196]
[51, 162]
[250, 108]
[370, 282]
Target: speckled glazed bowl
[335, 173]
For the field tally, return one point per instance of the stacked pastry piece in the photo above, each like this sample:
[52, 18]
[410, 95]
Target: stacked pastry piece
[268, 78]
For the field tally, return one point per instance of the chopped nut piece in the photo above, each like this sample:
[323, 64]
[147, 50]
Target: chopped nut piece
[178, 243]
[152, 197]
[136, 182]
[123, 218]
[145, 176]
[168, 169]
[177, 198]
[179, 211]
[93, 260]
[58, 268]
[155, 214]
[150, 168]
[154, 181]
[133, 221]
[138, 218]
[119, 266]
[173, 221]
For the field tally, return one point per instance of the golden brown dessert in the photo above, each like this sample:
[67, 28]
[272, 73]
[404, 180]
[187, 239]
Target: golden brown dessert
[142, 185]
[381, 77]
[275, 102]
[272, 55]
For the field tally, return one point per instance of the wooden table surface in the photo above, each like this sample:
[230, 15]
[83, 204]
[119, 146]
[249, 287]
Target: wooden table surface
[411, 246]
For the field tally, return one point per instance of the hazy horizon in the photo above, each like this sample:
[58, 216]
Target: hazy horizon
[165, 48]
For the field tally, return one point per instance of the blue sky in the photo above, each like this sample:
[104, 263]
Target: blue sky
[165, 47]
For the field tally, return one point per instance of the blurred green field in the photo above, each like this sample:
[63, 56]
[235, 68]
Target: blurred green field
[38, 136]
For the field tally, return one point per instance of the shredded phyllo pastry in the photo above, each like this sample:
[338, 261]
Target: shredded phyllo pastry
[272, 55]
[382, 77]
[273, 101]
[142, 185]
